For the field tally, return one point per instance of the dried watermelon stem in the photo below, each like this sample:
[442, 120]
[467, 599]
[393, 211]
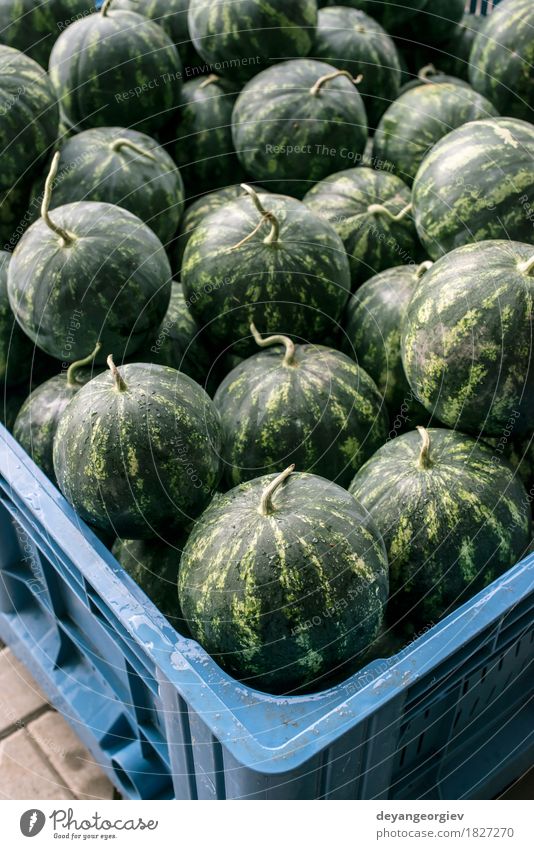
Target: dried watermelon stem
[423, 268]
[73, 368]
[272, 236]
[528, 266]
[120, 385]
[380, 209]
[424, 454]
[124, 142]
[65, 237]
[104, 8]
[317, 86]
[289, 356]
[266, 503]
[212, 78]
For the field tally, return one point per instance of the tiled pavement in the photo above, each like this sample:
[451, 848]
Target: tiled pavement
[41, 757]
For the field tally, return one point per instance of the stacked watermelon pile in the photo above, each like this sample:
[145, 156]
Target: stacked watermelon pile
[266, 306]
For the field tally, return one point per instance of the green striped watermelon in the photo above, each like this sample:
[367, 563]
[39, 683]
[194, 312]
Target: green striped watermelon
[415, 122]
[467, 338]
[243, 37]
[123, 167]
[284, 580]
[502, 60]
[297, 122]
[477, 183]
[305, 404]
[29, 116]
[370, 210]
[136, 452]
[32, 26]
[453, 516]
[15, 347]
[116, 68]
[269, 260]
[172, 16]
[350, 39]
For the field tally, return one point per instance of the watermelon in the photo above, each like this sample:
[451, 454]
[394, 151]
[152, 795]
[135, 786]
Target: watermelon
[436, 22]
[15, 213]
[29, 113]
[372, 333]
[392, 14]
[296, 123]
[429, 74]
[265, 259]
[89, 272]
[453, 516]
[305, 404]
[467, 338]
[350, 39]
[415, 122]
[15, 348]
[153, 564]
[136, 452]
[453, 56]
[116, 68]
[32, 26]
[502, 60]
[172, 16]
[203, 145]
[37, 420]
[477, 183]
[239, 39]
[284, 580]
[123, 167]
[370, 210]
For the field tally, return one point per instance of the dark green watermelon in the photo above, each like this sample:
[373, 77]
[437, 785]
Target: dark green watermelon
[38, 418]
[239, 39]
[172, 16]
[15, 347]
[370, 210]
[372, 334]
[392, 14]
[296, 123]
[116, 68]
[123, 167]
[32, 26]
[302, 404]
[476, 183]
[16, 213]
[467, 338]
[136, 452]
[192, 217]
[350, 39]
[269, 260]
[422, 116]
[89, 272]
[284, 581]
[203, 146]
[453, 516]
[502, 60]
[453, 56]
[29, 116]
[153, 564]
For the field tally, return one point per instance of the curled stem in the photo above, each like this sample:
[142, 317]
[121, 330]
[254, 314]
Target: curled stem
[424, 455]
[316, 87]
[528, 266]
[266, 503]
[380, 209]
[212, 78]
[124, 142]
[65, 237]
[272, 236]
[289, 356]
[120, 385]
[426, 72]
[423, 268]
[73, 368]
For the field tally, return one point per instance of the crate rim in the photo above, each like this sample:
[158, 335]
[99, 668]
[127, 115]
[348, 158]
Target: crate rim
[184, 664]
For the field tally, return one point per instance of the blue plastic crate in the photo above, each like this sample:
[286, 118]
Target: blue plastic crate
[450, 716]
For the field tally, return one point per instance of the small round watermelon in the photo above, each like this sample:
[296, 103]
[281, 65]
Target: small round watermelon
[268, 260]
[502, 60]
[29, 116]
[297, 122]
[136, 452]
[38, 418]
[172, 16]
[477, 183]
[32, 26]
[284, 581]
[350, 39]
[370, 211]
[372, 336]
[238, 39]
[305, 404]
[88, 272]
[453, 516]
[467, 338]
[126, 168]
[116, 68]
[15, 347]
[203, 146]
[420, 117]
